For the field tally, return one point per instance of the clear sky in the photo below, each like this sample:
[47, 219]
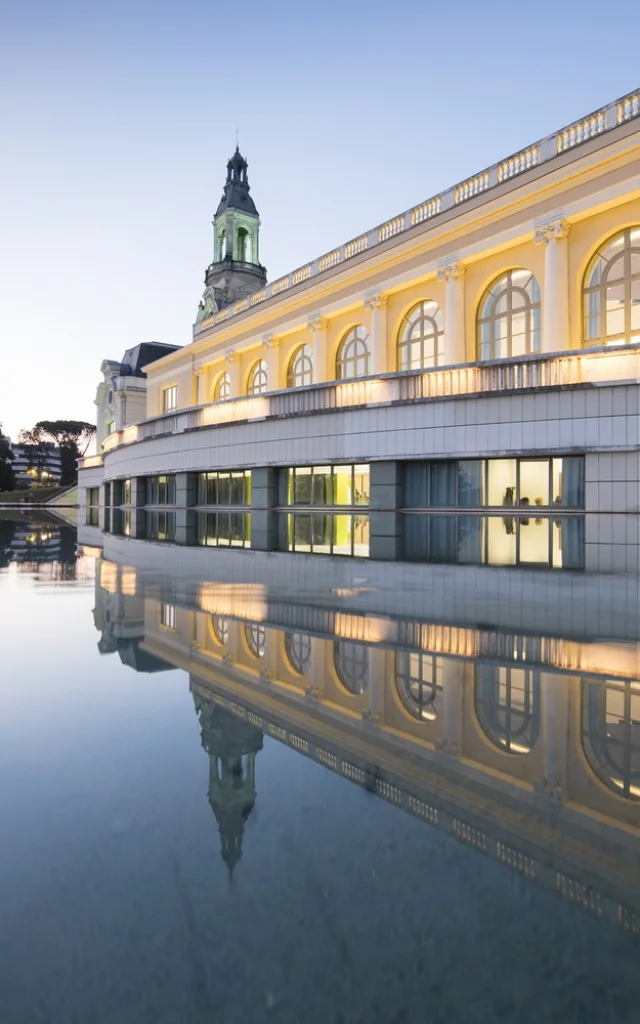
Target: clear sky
[117, 119]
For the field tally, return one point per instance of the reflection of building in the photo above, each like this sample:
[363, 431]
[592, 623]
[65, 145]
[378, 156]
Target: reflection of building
[232, 745]
[118, 616]
[523, 745]
[478, 353]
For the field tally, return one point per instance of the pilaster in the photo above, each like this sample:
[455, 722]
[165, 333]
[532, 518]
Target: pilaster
[318, 325]
[555, 305]
[455, 341]
[377, 303]
[272, 346]
[232, 359]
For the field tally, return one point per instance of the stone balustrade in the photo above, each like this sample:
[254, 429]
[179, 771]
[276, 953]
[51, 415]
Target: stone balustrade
[547, 370]
[574, 135]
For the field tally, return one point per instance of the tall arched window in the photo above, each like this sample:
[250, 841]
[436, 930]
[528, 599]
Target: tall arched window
[419, 683]
[352, 665]
[222, 246]
[257, 383]
[298, 648]
[509, 317]
[611, 291]
[256, 638]
[300, 370]
[507, 704]
[421, 338]
[243, 248]
[222, 388]
[220, 627]
[611, 733]
[354, 354]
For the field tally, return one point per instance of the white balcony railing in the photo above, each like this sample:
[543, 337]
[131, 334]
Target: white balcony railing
[550, 370]
[573, 136]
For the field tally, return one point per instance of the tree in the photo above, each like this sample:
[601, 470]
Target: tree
[7, 476]
[72, 438]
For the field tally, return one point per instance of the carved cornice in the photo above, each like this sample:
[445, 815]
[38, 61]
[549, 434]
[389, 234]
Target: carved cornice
[317, 323]
[376, 301]
[553, 232]
[451, 272]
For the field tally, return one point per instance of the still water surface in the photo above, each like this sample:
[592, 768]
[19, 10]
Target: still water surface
[267, 789]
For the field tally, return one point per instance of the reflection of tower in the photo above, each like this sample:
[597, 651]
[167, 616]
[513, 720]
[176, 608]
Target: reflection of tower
[232, 745]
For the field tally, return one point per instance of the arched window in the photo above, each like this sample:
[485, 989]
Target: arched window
[255, 636]
[353, 354]
[244, 245]
[220, 627]
[421, 338]
[222, 389]
[298, 648]
[509, 317]
[507, 704]
[222, 246]
[300, 370]
[257, 383]
[611, 733]
[611, 291]
[419, 683]
[352, 665]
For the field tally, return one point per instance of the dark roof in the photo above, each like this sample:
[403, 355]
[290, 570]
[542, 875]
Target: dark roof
[236, 190]
[141, 355]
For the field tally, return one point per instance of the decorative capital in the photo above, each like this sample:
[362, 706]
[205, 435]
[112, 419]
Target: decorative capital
[226, 657]
[451, 272]
[553, 791]
[199, 371]
[551, 232]
[270, 341]
[313, 692]
[265, 675]
[317, 323]
[231, 356]
[376, 301]
[371, 717]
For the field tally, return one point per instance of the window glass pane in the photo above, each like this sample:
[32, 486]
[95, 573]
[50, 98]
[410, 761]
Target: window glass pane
[321, 534]
[302, 487]
[224, 489]
[615, 310]
[342, 534]
[501, 541]
[568, 481]
[501, 488]
[416, 492]
[470, 483]
[534, 482]
[321, 485]
[342, 485]
[444, 484]
[534, 541]
[361, 485]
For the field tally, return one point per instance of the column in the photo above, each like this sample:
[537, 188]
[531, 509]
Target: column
[555, 301]
[377, 684]
[455, 338]
[264, 498]
[201, 385]
[554, 714]
[378, 305]
[384, 518]
[321, 371]
[453, 706]
[232, 360]
[186, 498]
[272, 346]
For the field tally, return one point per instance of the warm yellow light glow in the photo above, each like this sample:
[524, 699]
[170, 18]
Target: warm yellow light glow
[89, 552]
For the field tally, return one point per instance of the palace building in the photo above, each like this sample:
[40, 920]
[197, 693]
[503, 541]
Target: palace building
[476, 355]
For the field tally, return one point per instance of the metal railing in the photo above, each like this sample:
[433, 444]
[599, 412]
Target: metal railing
[547, 370]
[572, 137]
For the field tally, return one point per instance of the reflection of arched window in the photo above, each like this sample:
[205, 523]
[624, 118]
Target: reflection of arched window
[352, 665]
[244, 245]
[611, 733]
[421, 338]
[509, 317]
[353, 354]
[220, 627]
[419, 683]
[257, 383]
[298, 648]
[611, 291]
[300, 370]
[507, 704]
[222, 389]
[255, 639]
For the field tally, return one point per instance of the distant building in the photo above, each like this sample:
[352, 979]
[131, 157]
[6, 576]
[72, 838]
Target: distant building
[36, 464]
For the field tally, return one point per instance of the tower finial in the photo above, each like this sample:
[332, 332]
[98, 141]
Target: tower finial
[237, 141]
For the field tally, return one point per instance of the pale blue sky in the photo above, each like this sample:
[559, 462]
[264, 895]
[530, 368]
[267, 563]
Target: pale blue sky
[117, 121]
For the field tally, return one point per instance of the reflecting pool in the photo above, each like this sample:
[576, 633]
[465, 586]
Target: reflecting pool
[266, 786]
